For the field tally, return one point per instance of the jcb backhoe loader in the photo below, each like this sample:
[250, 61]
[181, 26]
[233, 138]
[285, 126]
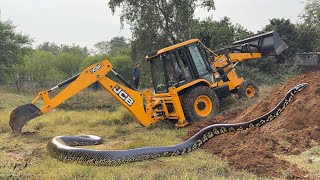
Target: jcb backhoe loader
[188, 79]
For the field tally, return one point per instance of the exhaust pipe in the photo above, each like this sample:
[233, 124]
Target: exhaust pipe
[266, 44]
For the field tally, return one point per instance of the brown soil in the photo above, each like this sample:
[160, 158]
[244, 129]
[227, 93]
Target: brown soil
[293, 132]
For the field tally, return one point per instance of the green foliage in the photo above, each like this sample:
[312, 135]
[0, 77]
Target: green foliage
[218, 33]
[301, 37]
[56, 50]
[266, 71]
[68, 63]
[74, 49]
[241, 32]
[49, 47]
[13, 46]
[287, 31]
[41, 67]
[89, 60]
[123, 64]
[117, 44]
[308, 38]
[16, 73]
[112, 47]
[309, 30]
[312, 12]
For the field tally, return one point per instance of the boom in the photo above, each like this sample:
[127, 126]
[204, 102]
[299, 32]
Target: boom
[129, 98]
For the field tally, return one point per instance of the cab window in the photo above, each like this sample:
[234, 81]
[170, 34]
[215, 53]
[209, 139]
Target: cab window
[198, 60]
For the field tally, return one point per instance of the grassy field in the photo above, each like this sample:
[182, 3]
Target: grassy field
[24, 156]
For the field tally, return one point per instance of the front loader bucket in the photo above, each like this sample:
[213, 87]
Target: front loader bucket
[21, 115]
[266, 44]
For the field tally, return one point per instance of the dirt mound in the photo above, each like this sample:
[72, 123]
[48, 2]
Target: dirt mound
[293, 132]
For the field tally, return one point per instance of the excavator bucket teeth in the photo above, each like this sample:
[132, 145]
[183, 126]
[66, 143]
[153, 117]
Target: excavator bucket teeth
[21, 115]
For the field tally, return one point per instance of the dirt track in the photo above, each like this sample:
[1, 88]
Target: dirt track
[291, 133]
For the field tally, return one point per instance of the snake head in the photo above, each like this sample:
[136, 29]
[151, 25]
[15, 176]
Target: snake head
[299, 87]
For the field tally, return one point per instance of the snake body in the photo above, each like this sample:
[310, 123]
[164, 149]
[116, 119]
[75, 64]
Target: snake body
[60, 147]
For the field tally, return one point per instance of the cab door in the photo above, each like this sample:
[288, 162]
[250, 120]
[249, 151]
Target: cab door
[199, 61]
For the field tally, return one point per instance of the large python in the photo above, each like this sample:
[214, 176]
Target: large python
[60, 147]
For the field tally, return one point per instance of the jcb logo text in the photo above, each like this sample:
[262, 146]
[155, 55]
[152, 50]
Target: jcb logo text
[96, 68]
[123, 95]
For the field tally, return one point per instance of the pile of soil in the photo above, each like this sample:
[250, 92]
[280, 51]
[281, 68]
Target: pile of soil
[295, 131]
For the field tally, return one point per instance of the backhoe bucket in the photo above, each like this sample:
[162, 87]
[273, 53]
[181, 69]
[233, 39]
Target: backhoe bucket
[266, 44]
[21, 115]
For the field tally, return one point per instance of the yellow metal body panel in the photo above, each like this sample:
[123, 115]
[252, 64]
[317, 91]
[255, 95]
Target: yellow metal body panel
[235, 57]
[177, 106]
[132, 100]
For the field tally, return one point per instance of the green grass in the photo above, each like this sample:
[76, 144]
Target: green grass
[24, 156]
[308, 160]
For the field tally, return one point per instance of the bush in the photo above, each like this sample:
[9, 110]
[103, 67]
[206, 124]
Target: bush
[266, 71]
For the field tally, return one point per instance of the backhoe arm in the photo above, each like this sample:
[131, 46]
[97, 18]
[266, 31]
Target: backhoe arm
[131, 99]
[86, 78]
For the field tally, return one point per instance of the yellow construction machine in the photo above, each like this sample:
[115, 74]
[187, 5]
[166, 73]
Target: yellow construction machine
[188, 80]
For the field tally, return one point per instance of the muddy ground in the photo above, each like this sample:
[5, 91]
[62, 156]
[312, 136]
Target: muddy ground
[296, 130]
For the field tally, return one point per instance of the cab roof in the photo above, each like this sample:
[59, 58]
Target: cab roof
[156, 53]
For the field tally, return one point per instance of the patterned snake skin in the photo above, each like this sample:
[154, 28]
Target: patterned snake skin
[60, 147]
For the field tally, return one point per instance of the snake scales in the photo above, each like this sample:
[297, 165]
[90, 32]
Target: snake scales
[60, 147]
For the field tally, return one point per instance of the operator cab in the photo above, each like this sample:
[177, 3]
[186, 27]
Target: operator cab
[179, 64]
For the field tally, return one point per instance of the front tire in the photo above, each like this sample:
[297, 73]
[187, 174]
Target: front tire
[248, 89]
[200, 103]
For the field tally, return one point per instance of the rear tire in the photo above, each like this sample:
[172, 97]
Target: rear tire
[248, 89]
[200, 103]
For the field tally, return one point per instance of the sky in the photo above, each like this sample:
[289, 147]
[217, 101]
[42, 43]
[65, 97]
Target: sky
[86, 22]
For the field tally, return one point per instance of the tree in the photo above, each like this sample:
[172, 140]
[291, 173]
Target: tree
[16, 73]
[13, 46]
[160, 21]
[308, 38]
[309, 30]
[218, 33]
[112, 47]
[75, 49]
[241, 32]
[68, 63]
[88, 61]
[123, 64]
[102, 47]
[311, 13]
[40, 65]
[49, 47]
[118, 44]
[288, 33]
